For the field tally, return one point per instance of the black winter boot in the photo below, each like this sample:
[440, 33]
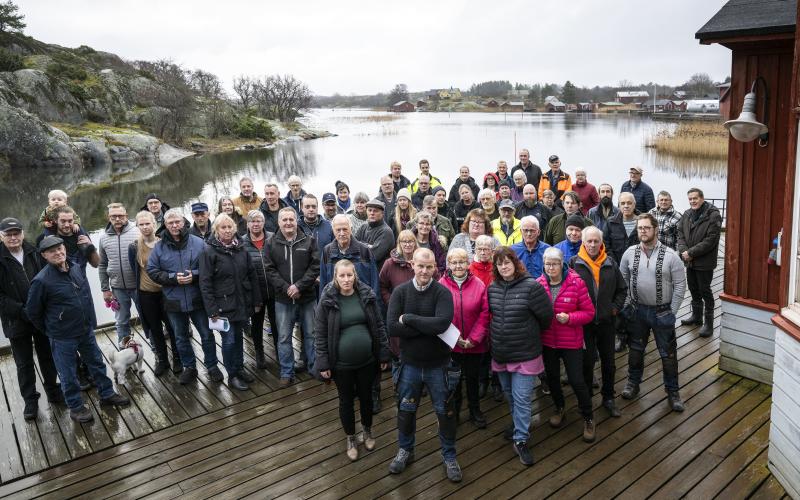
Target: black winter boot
[697, 315]
[708, 326]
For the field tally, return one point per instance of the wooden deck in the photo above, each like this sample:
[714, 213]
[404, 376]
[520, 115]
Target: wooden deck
[204, 440]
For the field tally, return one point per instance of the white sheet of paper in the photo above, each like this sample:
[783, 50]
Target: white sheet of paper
[450, 336]
[221, 324]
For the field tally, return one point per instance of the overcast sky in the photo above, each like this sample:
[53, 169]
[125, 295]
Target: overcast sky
[365, 47]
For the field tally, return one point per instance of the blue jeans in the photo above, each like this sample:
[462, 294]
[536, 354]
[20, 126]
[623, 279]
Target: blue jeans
[122, 318]
[410, 379]
[66, 365]
[285, 315]
[180, 325]
[662, 322]
[233, 348]
[518, 389]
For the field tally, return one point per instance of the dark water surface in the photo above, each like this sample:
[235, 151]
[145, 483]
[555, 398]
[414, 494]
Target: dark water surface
[606, 146]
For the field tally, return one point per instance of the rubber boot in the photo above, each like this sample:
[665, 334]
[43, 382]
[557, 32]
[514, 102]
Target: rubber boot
[697, 315]
[708, 327]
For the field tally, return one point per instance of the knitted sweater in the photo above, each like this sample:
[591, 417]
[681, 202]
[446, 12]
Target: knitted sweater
[426, 314]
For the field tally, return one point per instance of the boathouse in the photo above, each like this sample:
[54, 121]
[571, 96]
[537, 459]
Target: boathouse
[761, 298]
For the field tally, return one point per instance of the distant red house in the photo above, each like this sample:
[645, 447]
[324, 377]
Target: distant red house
[403, 107]
[491, 103]
[675, 106]
[513, 106]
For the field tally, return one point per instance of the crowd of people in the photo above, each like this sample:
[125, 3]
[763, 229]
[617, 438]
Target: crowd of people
[536, 274]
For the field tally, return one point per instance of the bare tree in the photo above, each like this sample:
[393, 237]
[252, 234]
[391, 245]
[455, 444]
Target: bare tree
[173, 99]
[206, 84]
[281, 97]
[244, 87]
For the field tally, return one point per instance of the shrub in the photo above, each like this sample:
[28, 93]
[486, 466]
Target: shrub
[10, 61]
[66, 71]
[250, 127]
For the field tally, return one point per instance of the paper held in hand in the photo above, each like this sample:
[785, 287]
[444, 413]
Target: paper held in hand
[450, 336]
[221, 324]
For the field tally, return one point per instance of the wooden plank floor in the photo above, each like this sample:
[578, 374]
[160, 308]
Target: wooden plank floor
[206, 441]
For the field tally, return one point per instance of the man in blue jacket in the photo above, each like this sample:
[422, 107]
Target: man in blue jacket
[174, 264]
[345, 246]
[60, 305]
[645, 199]
[530, 250]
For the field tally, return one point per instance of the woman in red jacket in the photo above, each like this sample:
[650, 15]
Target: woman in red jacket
[572, 308]
[471, 317]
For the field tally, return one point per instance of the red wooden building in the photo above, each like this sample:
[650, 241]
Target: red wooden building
[760, 330]
[403, 107]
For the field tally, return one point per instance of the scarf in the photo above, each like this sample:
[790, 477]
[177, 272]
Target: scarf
[594, 264]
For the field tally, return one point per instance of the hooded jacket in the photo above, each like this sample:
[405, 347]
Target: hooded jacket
[296, 204]
[700, 237]
[611, 293]
[588, 196]
[470, 312]
[507, 240]
[453, 197]
[483, 271]
[228, 281]
[115, 269]
[573, 299]
[496, 181]
[521, 309]
[293, 263]
[170, 257]
[327, 320]
[245, 204]
[15, 282]
[60, 303]
[562, 185]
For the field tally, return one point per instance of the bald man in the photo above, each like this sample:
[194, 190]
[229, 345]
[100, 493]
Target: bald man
[419, 310]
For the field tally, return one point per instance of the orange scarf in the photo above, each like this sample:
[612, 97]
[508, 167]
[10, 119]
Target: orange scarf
[594, 264]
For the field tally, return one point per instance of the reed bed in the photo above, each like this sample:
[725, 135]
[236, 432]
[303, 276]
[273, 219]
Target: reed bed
[692, 140]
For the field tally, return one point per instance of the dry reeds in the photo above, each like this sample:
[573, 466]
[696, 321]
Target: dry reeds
[692, 140]
[376, 118]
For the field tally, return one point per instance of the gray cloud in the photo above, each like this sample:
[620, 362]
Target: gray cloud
[366, 47]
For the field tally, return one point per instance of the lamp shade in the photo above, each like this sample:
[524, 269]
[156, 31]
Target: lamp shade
[747, 128]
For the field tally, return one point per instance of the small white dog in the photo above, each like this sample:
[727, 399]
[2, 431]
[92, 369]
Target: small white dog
[131, 354]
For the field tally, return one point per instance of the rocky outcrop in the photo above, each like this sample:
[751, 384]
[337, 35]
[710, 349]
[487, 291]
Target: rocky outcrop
[33, 91]
[27, 141]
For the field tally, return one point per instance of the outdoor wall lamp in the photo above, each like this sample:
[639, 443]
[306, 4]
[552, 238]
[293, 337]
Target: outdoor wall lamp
[747, 128]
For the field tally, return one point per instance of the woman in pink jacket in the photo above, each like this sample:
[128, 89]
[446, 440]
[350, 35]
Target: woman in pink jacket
[572, 308]
[471, 317]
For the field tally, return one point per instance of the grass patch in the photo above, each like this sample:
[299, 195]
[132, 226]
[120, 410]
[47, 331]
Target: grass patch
[93, 129]
[692, 140]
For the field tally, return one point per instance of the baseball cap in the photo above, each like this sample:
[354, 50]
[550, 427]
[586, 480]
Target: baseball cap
[328, 197]
[9, 224]
[199, 207]
[553, 158]
[506, 204]
[49, 242]
[638, 170]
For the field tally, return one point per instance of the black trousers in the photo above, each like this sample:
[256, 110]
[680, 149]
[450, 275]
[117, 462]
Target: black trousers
[257, 330]
[22, 347]
[352, 384]
[573, 361]
[470, 375]
[151, 311]
[599, 338]
[699, 283]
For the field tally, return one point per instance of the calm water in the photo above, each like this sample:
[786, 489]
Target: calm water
[606, 146]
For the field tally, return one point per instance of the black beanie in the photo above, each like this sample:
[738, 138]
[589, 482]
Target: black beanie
[576, 220]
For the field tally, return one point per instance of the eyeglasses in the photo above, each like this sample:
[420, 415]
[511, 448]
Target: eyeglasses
[553, 264]
[477, 222]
